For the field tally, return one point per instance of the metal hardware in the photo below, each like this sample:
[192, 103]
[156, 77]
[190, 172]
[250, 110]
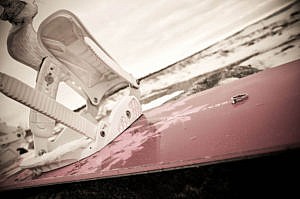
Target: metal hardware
[102, 133]
[49, 79]
[239, 98]
[128, 114]
[42, 152]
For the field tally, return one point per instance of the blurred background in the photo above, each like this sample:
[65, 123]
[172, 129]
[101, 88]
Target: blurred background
[188, 38]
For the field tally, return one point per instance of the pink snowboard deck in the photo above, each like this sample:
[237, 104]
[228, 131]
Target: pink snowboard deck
[201, 129]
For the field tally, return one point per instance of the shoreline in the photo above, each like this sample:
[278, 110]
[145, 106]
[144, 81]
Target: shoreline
[268, 43]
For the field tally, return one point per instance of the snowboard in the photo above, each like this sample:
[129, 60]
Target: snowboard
[254, 116]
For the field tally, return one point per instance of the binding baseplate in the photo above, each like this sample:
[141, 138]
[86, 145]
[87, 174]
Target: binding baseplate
[13, 143]
[62, 136]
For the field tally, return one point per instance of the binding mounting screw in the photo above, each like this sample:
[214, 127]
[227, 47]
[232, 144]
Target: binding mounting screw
[41, 152]
[128, 114]
[102, 133]
[49, 79]
[95, 100]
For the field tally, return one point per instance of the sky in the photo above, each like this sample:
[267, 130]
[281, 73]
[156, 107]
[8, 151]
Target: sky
[142, 36]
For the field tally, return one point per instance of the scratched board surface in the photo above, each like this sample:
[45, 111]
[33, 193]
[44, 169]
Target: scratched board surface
[201, 129]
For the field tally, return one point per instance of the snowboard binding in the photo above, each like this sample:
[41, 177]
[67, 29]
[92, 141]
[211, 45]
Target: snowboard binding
[62, 136]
